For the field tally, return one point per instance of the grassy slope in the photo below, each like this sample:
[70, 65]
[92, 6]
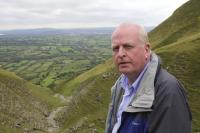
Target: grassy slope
[68, 88]
[176, 40]
[183, 22]
[88, 107]
[23, 104]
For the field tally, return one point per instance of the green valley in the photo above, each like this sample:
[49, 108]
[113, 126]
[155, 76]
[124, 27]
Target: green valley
[50, 60]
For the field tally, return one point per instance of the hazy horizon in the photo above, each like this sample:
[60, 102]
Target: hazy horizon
[68, 14]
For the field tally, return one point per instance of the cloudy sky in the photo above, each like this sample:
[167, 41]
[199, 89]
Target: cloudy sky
[18, 14]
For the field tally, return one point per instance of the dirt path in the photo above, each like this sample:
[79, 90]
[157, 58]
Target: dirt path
[53, 125]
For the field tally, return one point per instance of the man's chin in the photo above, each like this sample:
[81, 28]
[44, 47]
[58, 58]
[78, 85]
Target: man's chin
[124, 71]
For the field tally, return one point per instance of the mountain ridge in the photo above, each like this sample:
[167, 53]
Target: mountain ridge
[55, 31]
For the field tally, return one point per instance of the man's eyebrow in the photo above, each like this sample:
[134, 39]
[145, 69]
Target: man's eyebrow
[115, 46]
[128, 44]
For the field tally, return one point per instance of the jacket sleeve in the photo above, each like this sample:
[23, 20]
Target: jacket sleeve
[171, 113]
[116, 94]
[110, 111]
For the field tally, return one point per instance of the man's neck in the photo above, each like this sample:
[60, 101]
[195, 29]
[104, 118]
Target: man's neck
[132, 78]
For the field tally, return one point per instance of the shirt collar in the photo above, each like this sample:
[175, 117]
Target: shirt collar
[129, 88]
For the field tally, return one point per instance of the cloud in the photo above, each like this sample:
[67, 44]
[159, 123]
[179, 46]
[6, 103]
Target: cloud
[65, 13]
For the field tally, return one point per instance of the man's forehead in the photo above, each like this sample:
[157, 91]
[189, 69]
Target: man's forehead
[127, 28]
[125, 38]
[122, 41]
[124, 33]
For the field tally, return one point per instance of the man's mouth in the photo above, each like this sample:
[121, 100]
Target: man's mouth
[123, 63]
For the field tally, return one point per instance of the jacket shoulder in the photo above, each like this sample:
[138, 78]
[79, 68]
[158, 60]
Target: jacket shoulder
[169, 90]
[168, 83]
[170, 106]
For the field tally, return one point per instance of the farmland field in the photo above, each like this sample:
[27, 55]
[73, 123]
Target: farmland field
[50, 60]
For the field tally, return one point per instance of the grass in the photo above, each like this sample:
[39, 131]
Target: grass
[24, 104]
[90, 101]
[68, 88]
[65, 49]
[183, 22]
[44, 94]
[48, 80]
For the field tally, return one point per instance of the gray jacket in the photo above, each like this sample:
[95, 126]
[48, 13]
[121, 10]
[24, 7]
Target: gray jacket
[160, 97]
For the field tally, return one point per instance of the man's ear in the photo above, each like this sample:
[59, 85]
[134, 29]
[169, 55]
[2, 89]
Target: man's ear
[147, 50]
[147, 47]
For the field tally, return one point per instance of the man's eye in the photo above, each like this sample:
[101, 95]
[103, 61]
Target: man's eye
[128, 47]
[115, 49]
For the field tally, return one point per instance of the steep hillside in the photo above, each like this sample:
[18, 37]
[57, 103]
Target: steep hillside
[68, 88]
[24, 107]
[185, 21]
[176, 40]
[87, 110]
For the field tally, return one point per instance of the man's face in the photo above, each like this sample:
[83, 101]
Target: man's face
[130, 54]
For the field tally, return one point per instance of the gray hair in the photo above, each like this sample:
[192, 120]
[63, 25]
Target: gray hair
[143, 35]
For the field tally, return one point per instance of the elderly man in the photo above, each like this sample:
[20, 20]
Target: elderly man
[145, 98]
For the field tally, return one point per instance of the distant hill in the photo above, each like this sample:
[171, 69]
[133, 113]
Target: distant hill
[53, 31]
[176, 40]
[24, 107]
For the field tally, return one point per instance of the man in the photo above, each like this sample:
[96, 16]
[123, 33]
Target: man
[145, 98]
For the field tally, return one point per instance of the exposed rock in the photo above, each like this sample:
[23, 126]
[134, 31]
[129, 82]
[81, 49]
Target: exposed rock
[26, 130]
[94, 131]
[46, 113]
[17, 125]
[91, 125]
[99, 98]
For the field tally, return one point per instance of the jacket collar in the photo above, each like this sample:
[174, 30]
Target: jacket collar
[144, 97]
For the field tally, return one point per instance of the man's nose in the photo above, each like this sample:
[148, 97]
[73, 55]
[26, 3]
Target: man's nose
[121, 52]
